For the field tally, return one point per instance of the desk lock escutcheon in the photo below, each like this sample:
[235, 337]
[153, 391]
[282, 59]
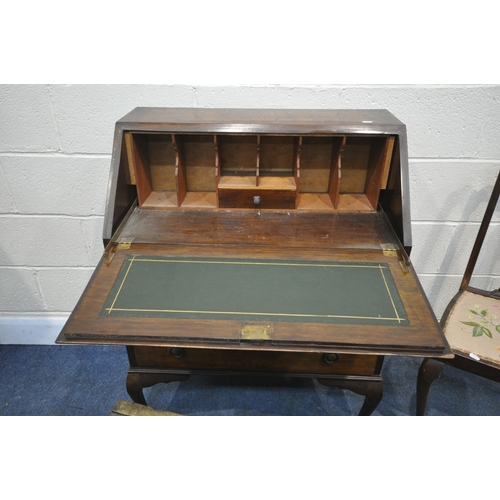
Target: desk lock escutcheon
[256, 332]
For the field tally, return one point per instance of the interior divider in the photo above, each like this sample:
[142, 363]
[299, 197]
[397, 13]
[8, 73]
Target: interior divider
[297, 147]
[180, 170]
[375, 169]
[387, 161]
[130, 170]
[257, 166]
[141, 166]
[217, 169]
[336, 170]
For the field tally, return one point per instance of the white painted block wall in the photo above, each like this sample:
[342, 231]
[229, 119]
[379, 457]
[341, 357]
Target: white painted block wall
[55, 145]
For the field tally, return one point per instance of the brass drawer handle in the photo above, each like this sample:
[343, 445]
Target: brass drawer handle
[331, 358]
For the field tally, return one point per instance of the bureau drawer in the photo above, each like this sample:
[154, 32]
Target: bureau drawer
[192, 359]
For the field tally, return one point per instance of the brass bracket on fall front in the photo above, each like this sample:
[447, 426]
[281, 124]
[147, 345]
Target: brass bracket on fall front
[109, 258]
[256, 331]
[389, 250]
[109, 251]
[405, 266]
[112, 247]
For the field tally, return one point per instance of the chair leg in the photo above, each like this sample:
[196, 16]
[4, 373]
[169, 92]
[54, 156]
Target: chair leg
[429, 370]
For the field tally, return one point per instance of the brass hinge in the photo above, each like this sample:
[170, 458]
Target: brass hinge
[124, 244]
[389, 250]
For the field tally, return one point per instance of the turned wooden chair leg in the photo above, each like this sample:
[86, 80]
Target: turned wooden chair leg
[429, 370]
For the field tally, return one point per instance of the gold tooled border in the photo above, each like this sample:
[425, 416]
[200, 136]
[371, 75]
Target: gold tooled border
[134, 259]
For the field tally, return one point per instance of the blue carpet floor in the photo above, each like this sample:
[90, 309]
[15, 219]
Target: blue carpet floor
[89, 380]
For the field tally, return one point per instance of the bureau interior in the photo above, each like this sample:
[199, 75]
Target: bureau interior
[343, 173]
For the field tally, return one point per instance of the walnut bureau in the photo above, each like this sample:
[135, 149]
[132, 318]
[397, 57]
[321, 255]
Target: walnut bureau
[267, 242]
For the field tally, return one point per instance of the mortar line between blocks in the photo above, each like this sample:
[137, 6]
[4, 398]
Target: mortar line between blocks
[454, 275]
[11, 194]
[40, 290]
[51, 216]
[87, 242]
[431, 159]
[451, 223]
[25, 267]
[55, 154]
[51, 101]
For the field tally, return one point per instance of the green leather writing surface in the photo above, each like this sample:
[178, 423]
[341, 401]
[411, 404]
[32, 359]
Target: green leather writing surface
[256, 290]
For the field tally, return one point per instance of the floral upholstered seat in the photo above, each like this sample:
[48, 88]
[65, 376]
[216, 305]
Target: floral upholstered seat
[473, 327]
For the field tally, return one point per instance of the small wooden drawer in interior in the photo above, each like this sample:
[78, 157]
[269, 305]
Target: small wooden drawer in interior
[242, 192]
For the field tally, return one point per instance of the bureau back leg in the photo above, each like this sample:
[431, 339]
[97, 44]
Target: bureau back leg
[373, 391]
[373, 396]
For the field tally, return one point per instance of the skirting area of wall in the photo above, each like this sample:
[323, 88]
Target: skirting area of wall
[30, 329]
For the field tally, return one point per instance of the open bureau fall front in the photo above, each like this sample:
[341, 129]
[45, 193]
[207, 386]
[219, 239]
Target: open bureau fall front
[267, 242]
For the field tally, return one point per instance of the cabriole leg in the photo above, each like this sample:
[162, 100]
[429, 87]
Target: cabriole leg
[137, 381]
[429, 370]
[372, 390]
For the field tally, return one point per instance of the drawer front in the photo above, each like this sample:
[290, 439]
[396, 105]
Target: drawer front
[175, 358]
[257, 198]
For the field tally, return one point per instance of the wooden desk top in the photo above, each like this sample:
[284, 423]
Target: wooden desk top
[305, 242]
